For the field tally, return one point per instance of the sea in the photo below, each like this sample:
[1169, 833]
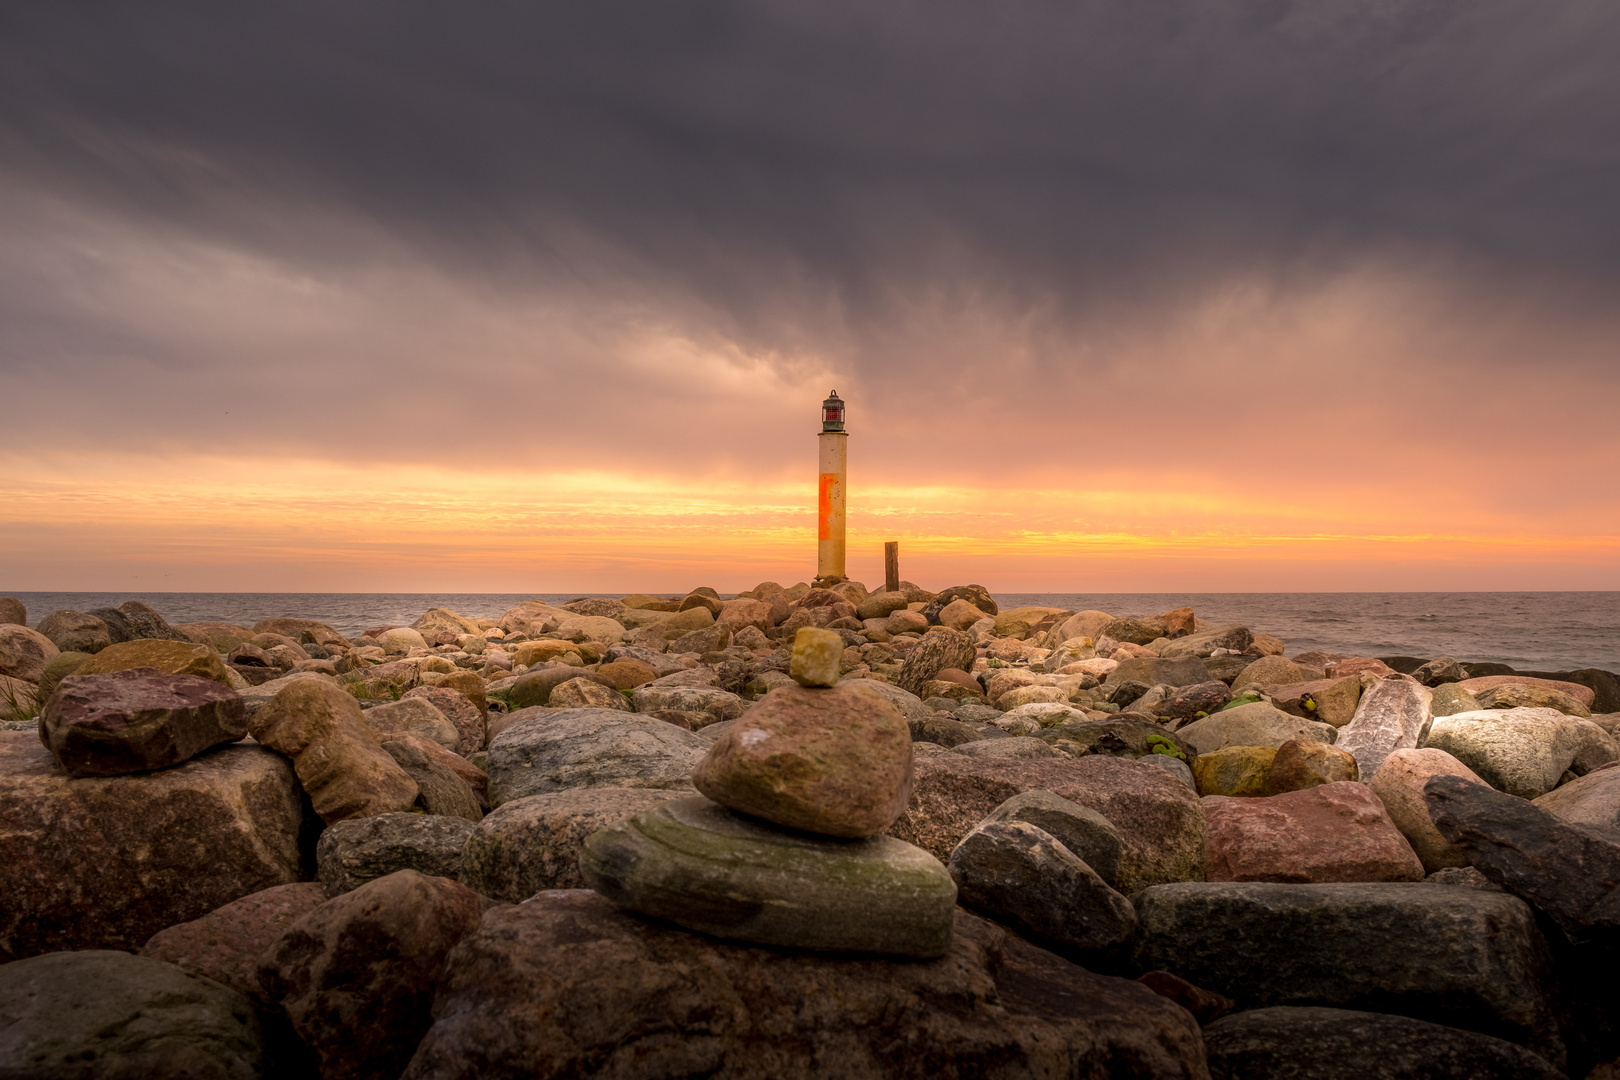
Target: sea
[1536, 631]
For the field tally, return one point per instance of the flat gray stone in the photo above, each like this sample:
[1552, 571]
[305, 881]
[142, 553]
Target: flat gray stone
[357, 850]
[577, 748]
[1090, 836]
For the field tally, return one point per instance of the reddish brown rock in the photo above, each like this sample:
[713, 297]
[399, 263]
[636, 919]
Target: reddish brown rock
[1583, 694]
[1399, 786]
[225, 945]
[1356, 665]
[460, 710]
[834, 760]
[1159, 818]
[439, 789]
[940, 648]
[24, 652]
[566, 986]
[1205, 1005]
[1332, 701]
[474, 777]
[338, 760]
[356, 975]
[470, 685]
[136, 720]
[1306, 763]
[106, 862]
[1336, 832]
[1179, 623]
[626, 674]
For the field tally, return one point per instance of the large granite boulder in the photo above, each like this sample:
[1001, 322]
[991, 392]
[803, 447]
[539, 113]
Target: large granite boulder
[75, 631]
[225, 944]
[101, 1013]
[939, 649]
[1393, 714]
[340, 763]
[353, 852]
[413, 715]
[1443, 953]
[1593, 799]
[173, 657]
[1399, 787]
[24, 652]
[1333, 832]
[1255, 724]
[106, 862]
[711, 869]
[566, 986]
[1332, 701]
[1157, 671]
[136, 720]
[356, 976]
[574, 748]
[1160, 822]
[440, 790]
[1522, 751]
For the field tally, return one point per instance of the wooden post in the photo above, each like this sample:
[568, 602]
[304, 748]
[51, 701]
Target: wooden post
[891, 566]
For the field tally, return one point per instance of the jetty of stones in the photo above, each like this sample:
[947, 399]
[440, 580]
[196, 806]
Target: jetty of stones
[800, 832]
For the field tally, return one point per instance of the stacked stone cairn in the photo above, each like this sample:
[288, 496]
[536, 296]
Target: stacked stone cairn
[784, 845]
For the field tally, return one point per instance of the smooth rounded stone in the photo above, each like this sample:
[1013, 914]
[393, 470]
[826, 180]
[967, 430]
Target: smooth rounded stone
[1203, 643]
[1581, 693]
[943, 731]
[436, 621]
[103, 1013]
[586, 694]
[1017, 747]
[1439, 671]
[351, 853]
[566, 985]
[1593, 799]
[1393, 714]
[534, 687]
[1450, 699]
[1135, 630]
[173, 657]
[938, 649]
[1044, 714]
[1313, 1043]
[1399, 786]
[1332, 701]
[1514, 695]
[910, 705]
[1462, 957]
[61, 666]
[1269, 671]
[339, 762]
[24, 652]
[225, 944]
[440, 788]
[626, 673]
[255, 698]
[1521, 751]
[960, 614]
[576, 748]
[12, 612]
[75, 631]
[702, 642]
[599, 628]
[1157, 671]
[401, 640]
[1305, 763]
[143, 622]
[880, 605]
[532, 844]
[1335, 832]
[106, 862]
[1021, 875]
[1033, 695]
[460, 709]
[137, 720]
[1174, 766]
[709, 701]
[1160, 821]
[356, 976]
[1594, 748]
[817, 656]
[310, 630]
[1238, 771]
[1090, 836]
[1256, 724]
[834, 761]
[711, 869]
[544, 650]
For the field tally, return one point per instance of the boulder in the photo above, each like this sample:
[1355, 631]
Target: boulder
[1086, 833]
[351, 853]
[1313, 1043]
[598, 628]
[532, 844]
[101, 1013]
[458, 708]
[1306, 763]
[1515, 695]
[1566, 870]
[75, 631]
[1160, 822]
[1205, 642]
[356, 976]
[440, 789]
[400, 640]
[1238, 771]
[1580, 692]
[1154, 670]
[340, 763]
[470, 774]
[817, 656]
[311, 630]
[1393, 714]
[1448, 955]
[1023, 876]
[1521, 751]
[880, 605]
[708, 640]
[1439, 671]
[626, 673]
[566, 986]
[61, 666]
[1256, 724]
[960, 615]
[1179, 623]
[833, 761]
[711, 869]
[106, 862]
[710, 702]
[1594, 747]
[1593, 799]
[137, 720]
[1332, 701]
[1016, 746]
[436, 621]
[24, 652]
[1135, 630]
[583, 693]
[977, 595]
[225, 944]
[1334, 832]
[12, 612]
[1196, 701]
[1399, 786]
[1450, 699]
[1359, 665]
[940, 648]
[1269, 671]
[171, 657]
[575, 748]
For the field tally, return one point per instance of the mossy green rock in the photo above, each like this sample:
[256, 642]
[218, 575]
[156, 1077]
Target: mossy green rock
[1234, 770]
[710, 869]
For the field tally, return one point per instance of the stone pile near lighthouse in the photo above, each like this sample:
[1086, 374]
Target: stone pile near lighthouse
[783, 846]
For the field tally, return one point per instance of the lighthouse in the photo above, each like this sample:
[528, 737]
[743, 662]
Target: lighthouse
[834, 460]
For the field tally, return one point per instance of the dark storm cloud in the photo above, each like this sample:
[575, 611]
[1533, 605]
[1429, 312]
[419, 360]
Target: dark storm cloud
[805, 179]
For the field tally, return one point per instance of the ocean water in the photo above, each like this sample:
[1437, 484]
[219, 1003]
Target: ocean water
[1535, 631]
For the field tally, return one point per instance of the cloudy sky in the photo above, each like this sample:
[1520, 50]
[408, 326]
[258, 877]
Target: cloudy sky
[1207, 296]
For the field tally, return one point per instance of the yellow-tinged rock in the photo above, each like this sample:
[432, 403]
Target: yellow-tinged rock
[817, 657]
[170, 657]
[1235, 770]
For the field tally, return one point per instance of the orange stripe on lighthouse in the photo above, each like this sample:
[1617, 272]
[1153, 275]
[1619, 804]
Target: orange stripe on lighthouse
[829, 480]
